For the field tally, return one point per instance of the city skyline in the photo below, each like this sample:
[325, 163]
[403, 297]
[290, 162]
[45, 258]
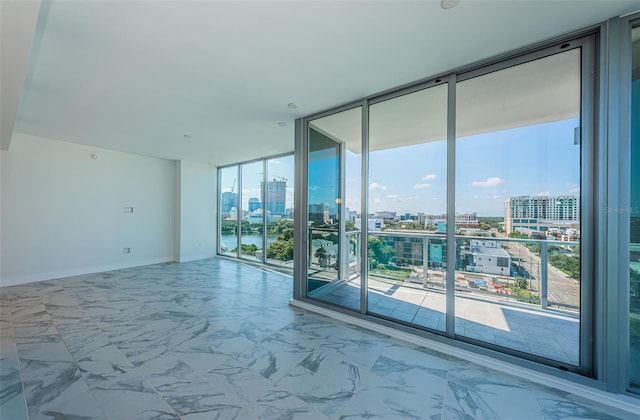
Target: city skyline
[534, 160]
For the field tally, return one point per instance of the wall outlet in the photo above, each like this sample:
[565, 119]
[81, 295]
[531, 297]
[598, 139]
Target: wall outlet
[127, 209]
[126, 250]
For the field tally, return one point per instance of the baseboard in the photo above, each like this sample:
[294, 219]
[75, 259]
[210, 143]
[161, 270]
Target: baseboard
[196, 257]
[32, 278]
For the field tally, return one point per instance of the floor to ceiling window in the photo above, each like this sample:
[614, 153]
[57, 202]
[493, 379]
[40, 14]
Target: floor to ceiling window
[256, 210]
[252, 216]
[408, 200]
[634, 285]
[518, 159]
[228, 210]
[472, 186]
[279, 210]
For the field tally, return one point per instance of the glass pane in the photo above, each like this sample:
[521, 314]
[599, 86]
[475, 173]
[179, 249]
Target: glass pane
[334, 205]
[634, 286]
[407, 205]
[228, 210]
[252, 211]
[518, 169]
[279, 199]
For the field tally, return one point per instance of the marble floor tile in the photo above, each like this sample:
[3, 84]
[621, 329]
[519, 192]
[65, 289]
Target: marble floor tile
[131, 397]
[556, 404]
[328, 397]
[280, 404]
[383, 398]
[235, 380]
[12, 401]
[82, 405]
[50, 383]
[271, 364]
[103, 364]
[217, 339]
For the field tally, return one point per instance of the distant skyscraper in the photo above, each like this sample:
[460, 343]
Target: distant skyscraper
[229, 201]
[254, 204]
[276, 196]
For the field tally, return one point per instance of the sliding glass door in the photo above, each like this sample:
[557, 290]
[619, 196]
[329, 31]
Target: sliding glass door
[408, 202]
[518, 160]
[634, 264]
[333, 191]
[463, 201]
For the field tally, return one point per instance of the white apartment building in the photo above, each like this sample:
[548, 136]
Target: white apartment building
[540, 213]
[487, 256]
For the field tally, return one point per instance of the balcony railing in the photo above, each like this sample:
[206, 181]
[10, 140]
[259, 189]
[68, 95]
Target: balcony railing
[533, 271]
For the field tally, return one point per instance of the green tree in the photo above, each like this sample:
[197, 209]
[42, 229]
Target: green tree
[518, 235]
[379, 251]
[282, 248]
[228, 227]
[567, 264]
[247, 249]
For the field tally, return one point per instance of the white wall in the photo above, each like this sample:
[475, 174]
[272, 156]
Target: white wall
[62, 211]
[17, 28]
[196, 213]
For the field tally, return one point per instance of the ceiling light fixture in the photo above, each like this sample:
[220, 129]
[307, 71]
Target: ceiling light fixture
[282, 123]
[94, 156]
[449, 4]
[292, 105]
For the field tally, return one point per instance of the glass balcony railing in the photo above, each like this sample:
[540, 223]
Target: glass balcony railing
[533, 271]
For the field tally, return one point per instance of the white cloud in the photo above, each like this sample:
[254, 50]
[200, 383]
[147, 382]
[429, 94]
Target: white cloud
[476, 196]
[377, 200]
[420, 186]
[544, 193]
[393, 196]
[490, 182]
[376, 186]
[572, 187]
[429, 177]
[495, 196]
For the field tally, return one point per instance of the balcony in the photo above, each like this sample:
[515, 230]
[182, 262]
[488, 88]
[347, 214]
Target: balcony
[519, 294]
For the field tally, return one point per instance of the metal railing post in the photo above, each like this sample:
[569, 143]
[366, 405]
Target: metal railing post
[544, 301]
[425, 262]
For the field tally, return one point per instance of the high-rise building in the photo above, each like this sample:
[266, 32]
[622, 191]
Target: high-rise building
[540, 213]
[229, 201]
[254, 204]
[276, 196]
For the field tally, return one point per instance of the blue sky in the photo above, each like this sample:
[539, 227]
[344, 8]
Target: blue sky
[252, 177]
[532, 160]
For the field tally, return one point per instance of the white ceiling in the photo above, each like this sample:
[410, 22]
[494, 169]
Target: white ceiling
[540, 91]
[137, 76]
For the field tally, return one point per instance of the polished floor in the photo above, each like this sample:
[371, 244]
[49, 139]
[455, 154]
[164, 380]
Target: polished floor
[552, 333]
[216, 339]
